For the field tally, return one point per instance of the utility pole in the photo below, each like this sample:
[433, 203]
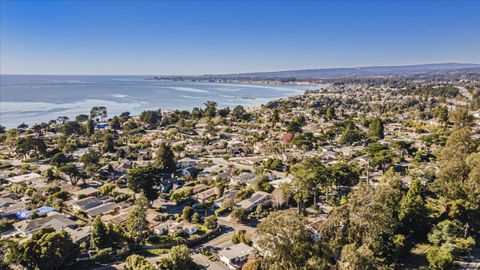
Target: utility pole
[466, 230]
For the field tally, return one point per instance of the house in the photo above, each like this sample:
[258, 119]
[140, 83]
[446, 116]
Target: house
[187, 162]
[230, 195]
[276, 183]
[257, 198]
[86, 192]
[39, 211]
[172, 227]
[10, 207]
[86, 203]
[206, 195]
[27, 179]
[55, 221]
[102, 209]
[243, 178]
[314, 226]
[117, 218]
[79, 235]
[235, 256]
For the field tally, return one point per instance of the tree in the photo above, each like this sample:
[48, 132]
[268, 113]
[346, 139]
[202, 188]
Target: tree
[449, 235]
[137, 225]
[108, 143]
[211, 222]
[45, 249]
[151, 118]
[239, 237]
[26, 144]
[224, 112]
[145, 179]
[187, 213]
[309, 178]
[137, 262]
[273, 163]
[441, 113]
[165, 158]
[238, 112]
[81, 118]
[368, 220]
[210, 109]
[413, 211]
[330, 113]
[197, 113]
[59, 159]
[281, 195]
[196, 218]
[262, 184]
[71, 127]
[107, 189]
[98, 113]
[376, 129]
[105, 235]
[354, 257]
[439, 258]
[115, 123]
[180, 195]
[239, 214]
[351, 134]
[71, 171]
[286, 242]
[461, 118]
[274, 117]
[381, 155]
[179, 258]
[210, 129]
[90, 127]
[90, 160]
[459, 168]
[252, 265]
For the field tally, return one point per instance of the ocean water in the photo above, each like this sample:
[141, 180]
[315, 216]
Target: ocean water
[39, 98]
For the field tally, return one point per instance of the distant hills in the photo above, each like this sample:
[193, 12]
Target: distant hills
[334, 73]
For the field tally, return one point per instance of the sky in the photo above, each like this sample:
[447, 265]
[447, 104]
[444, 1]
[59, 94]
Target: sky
[217, 37]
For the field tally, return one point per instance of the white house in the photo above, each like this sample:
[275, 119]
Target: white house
[235, 256]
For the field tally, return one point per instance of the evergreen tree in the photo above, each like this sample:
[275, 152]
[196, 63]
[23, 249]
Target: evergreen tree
[376, 129]
[165, 158]
[145, 180]
[136, 225]
[413, 211]
[90, 127]
[108, 143]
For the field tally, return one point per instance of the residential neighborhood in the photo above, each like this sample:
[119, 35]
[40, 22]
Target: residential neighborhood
[241, 188]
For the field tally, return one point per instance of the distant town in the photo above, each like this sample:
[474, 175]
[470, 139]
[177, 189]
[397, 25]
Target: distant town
[369, 172]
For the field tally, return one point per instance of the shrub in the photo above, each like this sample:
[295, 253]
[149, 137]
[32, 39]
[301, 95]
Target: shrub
[439, 258]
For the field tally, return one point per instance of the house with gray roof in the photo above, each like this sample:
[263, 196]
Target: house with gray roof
[55, 221]
[235, 256]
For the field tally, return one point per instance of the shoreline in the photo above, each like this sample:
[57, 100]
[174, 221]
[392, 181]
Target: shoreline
[36, 112]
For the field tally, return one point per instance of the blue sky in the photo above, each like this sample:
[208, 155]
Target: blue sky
[198, 37]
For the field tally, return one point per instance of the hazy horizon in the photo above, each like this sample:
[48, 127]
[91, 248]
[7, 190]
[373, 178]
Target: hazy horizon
[246, 72]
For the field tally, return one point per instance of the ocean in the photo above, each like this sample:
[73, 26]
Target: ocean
[34, 99]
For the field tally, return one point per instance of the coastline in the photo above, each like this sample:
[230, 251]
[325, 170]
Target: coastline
[167, 96]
